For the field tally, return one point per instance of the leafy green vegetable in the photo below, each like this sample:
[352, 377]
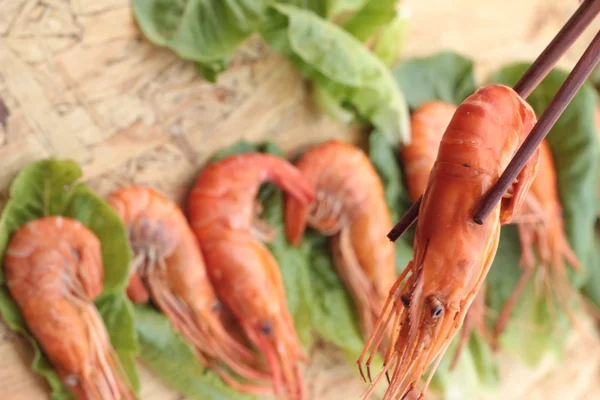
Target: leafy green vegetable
[592, 287]
[575, 150]
[594, 77]
[341, 65]
[330, 106]
[334, 316]
[390, 40]
[205, 31]
[383, 157]
[444, 76]
[367, 20]
[172, 358]
[50, 187]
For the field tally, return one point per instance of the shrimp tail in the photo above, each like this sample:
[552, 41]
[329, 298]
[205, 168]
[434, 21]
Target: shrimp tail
[212, 340]
[109, 380]
[296, 217]
[291, 180]
[366, 297]
[285, 374]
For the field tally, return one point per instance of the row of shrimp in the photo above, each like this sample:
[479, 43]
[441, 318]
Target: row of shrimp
[221, 288]
[212, 277]
[456, 154]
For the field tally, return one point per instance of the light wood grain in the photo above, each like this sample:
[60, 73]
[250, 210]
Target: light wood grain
[80, 81]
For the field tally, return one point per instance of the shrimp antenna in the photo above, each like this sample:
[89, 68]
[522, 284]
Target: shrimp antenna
[579, 21]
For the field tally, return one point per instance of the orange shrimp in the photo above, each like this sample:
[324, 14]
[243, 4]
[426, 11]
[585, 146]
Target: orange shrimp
[428, 124]
[453, 254]
[54, 271]
[222, 210]
[350, 205]
[540, 222]
[169, 268]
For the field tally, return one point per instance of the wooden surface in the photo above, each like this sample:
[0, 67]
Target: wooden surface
[80, 81]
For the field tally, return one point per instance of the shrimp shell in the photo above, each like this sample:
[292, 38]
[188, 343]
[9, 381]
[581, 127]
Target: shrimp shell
[169, 268]
[453, 254]
[349, 205]
[54, 271]
[222, 209]
[428, 124]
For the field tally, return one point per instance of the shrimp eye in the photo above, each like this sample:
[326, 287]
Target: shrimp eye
[266, 328]
[437, 311]
[217, 306]
[405, 300]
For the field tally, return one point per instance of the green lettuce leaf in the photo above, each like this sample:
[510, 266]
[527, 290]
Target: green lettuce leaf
[386, 163]
[370, 17]
[445, 76]
[329, 105]
[205, 31]
[594, 77]
[171, 357]
[51, 187]
[341, 65]
[575, 150]
[391, 39]
[592, 288]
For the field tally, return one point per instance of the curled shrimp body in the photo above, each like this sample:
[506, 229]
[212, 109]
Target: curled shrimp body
[54, 272]
[222, 210]
[350, 205]
[168, 268]
[428, 124]
[453, 254]
[540, 226]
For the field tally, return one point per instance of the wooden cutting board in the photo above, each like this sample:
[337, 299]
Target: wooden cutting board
[79, 80]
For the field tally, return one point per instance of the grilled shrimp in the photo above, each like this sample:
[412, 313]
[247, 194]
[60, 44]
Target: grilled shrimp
[169, 268]
[54, 271]
[350, 205]
[223, 213]
[428, 124]
[540, 223]
[453, 254]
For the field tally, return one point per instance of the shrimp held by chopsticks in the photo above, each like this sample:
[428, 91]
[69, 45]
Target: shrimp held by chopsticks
[540, 223]
[168, 267]
[222, 210]
[453, 254]
[54, 271]
[428, 124]
[350, 205]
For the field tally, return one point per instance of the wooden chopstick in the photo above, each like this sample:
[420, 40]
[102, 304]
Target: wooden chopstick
[537, 71]
[557, 106]
[565, 38]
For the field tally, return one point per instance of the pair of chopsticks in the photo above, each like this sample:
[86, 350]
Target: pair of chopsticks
[579, 21]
